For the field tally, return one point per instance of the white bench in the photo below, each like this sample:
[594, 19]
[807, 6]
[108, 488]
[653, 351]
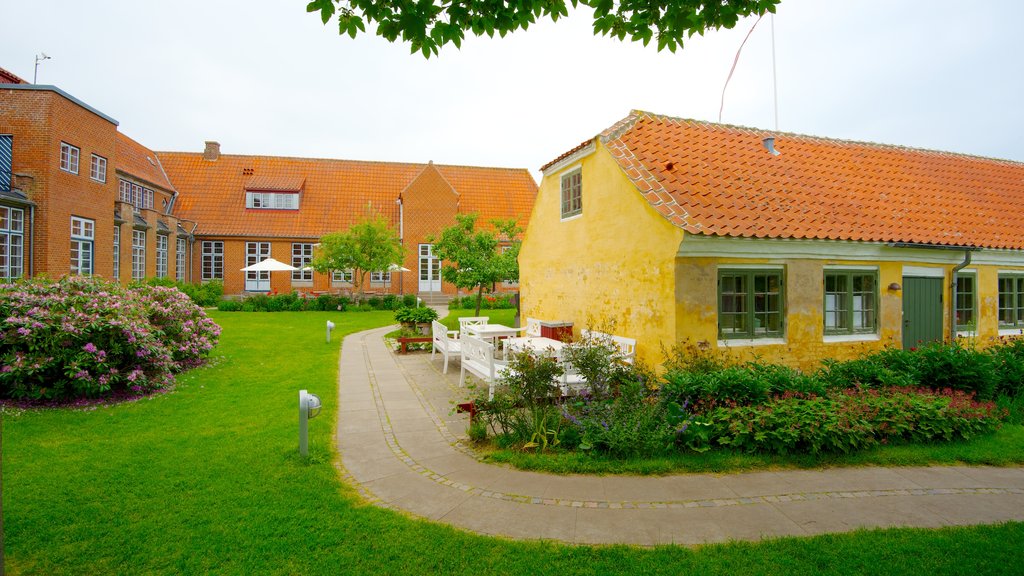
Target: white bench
[478, 359]
[472, 321]
[445, 341]
[626, 347]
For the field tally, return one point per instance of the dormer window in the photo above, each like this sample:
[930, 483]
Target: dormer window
[272, 200]
[273, 192]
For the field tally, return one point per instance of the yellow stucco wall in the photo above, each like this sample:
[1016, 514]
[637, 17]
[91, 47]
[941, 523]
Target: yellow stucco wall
[612, 268]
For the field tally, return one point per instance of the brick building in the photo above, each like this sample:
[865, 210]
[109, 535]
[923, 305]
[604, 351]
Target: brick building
[77, 196]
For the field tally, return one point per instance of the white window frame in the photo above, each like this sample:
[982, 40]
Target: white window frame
[341, 277]
[83, 237]
[272, 200]
[98, 168]
[138, 254]
[12, 242]
[212, 260]
[69, 157]
[161, 255]
[302, 255]
[180, 261]
[117, 252]
[380, 277]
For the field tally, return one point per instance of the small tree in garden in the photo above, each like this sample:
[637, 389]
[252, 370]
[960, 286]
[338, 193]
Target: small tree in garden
[368, 246]
[474, 259]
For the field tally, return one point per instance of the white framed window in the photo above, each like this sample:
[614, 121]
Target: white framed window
[117, 252]
[341, 276]
[161, 255]
[1011, 301]
[12, 242]
[98, 168]
[272, 201]
[256, 252]
[302, 255]
[124, 191]
[572, 193]
[69, 158]
[213, 260]
[147, 198]
[851, 301]
[179, 260]
[380, 277]
[138, 254]
[83, 233]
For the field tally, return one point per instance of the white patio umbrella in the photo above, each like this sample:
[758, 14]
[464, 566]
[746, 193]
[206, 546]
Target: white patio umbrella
[397, 268]
[269, 265]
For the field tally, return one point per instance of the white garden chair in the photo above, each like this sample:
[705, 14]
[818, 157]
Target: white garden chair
[445, 341]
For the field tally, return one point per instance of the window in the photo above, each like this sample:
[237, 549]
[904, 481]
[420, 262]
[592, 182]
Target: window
[1011, 300]
[342, 276]
[138, 254]
[256, 252]
[161, 255]
[68, 158]
[966, 306]
[572, 193]
[12, 242]
[179, 260]
[138, 196]
[117, 252]
[6, 159]
[851, 301]
[750, 303]
[98, 168]
[271, 201]
[302, 255]
[213, 260]
[380, 277]
[82, 235]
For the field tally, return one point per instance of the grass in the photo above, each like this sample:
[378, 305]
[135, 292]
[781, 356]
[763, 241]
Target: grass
[207, 480]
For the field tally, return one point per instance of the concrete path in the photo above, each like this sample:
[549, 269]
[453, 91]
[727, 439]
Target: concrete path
[404, 448]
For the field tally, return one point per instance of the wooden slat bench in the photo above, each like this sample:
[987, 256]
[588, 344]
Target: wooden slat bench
[404, 342]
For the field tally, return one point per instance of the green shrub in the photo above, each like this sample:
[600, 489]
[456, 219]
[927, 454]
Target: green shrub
[958, 367]
[83, 337]
[375, 302]
[632, 424]
[364, 308]
[419, 315]
[854, 419]
[524, 409]
[229, 305]
[206, 294]
[409, 301]
[390, 302]
[1008, 363]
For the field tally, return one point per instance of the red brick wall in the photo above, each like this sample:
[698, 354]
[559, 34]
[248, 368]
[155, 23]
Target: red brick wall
[40, 121]
[429, 205]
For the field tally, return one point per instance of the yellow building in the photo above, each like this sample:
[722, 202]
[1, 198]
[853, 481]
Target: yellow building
[791, 249]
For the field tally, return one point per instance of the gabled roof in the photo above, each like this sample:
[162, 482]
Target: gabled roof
[715, 179]
[138, 161]
[335, 193]
[8, 77]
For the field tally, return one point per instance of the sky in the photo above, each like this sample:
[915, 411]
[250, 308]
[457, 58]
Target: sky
[265, 77]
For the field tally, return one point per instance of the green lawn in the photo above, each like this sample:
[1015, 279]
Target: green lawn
[207, 480]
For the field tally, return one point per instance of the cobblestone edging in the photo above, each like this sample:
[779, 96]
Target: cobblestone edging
[401, 455]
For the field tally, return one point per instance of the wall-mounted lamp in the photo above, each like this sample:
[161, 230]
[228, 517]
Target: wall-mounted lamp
[769, 145]
[895, 287]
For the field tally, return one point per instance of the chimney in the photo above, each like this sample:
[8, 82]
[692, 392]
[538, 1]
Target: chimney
[212, 151]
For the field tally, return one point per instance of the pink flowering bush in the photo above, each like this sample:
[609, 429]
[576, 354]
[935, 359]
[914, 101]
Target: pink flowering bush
[82, 337]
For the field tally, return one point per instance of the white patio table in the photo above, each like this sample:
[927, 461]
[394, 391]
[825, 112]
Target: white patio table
[492, 331]
[539, 344]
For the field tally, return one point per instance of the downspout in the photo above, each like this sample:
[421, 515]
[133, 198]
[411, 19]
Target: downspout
[952, 300]
[32, 239]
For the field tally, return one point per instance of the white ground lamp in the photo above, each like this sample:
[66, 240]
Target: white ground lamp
[309, 407]
[330, 327]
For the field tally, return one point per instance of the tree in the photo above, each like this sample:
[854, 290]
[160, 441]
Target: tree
[368, 246]
[427, 25]
[474, 259]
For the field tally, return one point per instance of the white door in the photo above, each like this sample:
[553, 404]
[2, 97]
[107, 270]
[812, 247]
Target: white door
[430, 269]
[256, 252]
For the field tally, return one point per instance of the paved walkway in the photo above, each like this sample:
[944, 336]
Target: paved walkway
[403, 447]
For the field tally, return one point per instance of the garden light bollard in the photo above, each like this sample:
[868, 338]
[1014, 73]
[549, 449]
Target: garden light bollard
[309, 407]
[330, 326]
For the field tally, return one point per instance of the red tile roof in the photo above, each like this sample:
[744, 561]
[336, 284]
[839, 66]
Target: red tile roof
[8, 77]
[715, 179]
[275, 184]
[137, 160]
[335, 193]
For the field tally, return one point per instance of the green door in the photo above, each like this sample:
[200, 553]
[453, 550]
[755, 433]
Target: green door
[922, 311]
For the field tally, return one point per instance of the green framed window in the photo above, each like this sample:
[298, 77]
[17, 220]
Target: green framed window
[1011, 300]
[750, 303]
[851, 302]
[966, 301]
[572, 193]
